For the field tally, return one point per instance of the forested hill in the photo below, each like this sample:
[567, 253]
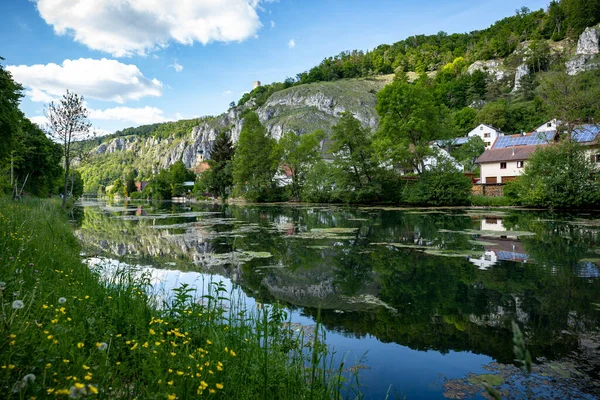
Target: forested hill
[491, 76]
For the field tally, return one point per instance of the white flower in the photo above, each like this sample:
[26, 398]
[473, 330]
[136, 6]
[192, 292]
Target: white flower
[76, 393]
[2, 285]
[102, 346]
[18, 304]
[62, 300]
[29, 378]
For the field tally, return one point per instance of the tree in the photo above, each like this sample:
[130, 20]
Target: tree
[219, 178]
[468, 152]
[10, 115]
[256, 160]
[441, 185]
[298, 154]
[408, 120]
[355, 159]
[558, 176]
[67, 122]
[573, 100]
[130, 186]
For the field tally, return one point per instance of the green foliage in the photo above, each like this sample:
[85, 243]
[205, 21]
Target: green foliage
[320, 185]
[468, 152]
[298, 154]
[10, 115]
[357, 178]
[492, 201]
[256, 161]
[169, 182]
[557, 176]
[464, 120]
[572, 100]
[441, 185]
[219, 178]
[408, 120]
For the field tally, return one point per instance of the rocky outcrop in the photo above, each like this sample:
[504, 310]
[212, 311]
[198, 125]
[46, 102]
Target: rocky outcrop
[494, 68]
[301, 109]
[522, 71]
[587, 56]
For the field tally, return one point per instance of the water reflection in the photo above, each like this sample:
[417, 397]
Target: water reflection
[447, 282]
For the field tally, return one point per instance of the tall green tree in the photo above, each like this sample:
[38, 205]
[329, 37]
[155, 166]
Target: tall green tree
[355, 160]
[256, 160]
[573, 100]
[298, 154]
[219, 178]
[68, 122]
[11, 93]
[409, 119]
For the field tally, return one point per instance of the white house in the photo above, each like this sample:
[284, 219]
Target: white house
[551, 125]
[488, 133]
[439, 154]
[506, 159]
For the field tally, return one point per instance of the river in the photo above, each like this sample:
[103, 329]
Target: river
[419, 301]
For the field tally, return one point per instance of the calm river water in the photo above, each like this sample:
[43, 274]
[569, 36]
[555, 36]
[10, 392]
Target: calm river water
[420, 301]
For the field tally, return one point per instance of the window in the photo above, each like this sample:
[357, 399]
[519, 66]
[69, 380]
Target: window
[486, 134]
[481, 128]
[519, 164]
[595, 158]
[488, 144]
[502, 165]
[549, 124]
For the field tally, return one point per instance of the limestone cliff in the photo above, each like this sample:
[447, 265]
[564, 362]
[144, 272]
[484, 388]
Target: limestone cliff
[587, 55]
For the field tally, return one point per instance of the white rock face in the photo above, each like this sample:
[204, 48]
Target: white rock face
[522, 71]
[196, 146]
[492, 67]
[587, 55]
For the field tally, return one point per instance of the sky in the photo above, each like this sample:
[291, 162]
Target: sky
[138, 62]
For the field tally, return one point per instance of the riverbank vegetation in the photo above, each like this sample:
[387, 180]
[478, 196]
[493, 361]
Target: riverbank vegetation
[69, 331]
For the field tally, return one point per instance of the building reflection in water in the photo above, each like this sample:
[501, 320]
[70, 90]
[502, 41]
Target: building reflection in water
[499, 248]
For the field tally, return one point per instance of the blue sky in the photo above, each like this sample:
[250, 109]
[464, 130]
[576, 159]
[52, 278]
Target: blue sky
[144, 61]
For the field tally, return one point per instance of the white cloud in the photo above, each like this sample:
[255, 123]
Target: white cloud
[272, 24]
[128, 27]
[103, 79]
[176, 66]
[41, 120]
[141, 115]
[227, 93]
[291, 44]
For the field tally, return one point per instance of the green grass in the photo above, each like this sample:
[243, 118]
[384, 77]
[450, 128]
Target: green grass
[66, 330]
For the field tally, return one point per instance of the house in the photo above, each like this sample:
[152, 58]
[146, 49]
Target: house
[507, 158]
[487, 133]
[551, 125]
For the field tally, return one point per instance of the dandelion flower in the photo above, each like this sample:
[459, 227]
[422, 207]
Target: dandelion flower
[171, 396]
[219, 386]
[102, 346]
[62, 300]
[18, 304]
[93, 389]
[80, 345]
[29, 378]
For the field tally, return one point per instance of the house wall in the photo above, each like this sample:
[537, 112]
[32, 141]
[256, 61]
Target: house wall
[481, 131]
[547, 126]
[490, 170]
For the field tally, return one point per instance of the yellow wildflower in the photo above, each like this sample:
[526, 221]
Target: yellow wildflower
[232, 353]
[85, 367]
[170, 383]
[219, 386]
[93, 389]
[152, 331]
[134, 346]
[171, 396]
[80, 345]
[79, 385]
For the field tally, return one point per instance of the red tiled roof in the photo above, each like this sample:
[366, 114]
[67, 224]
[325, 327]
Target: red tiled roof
[517, 153]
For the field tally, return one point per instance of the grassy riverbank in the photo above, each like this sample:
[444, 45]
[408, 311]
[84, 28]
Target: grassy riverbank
[65, 331]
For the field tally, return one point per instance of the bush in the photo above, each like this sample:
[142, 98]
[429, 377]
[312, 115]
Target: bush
[440, 186]
[490, 201]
